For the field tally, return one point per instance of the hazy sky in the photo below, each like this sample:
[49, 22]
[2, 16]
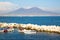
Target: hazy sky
[37, 3]
[52, 5]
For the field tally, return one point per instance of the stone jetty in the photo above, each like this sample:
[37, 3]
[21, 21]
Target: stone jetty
[37, 28]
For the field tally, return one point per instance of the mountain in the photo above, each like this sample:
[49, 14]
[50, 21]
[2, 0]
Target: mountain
[32, 12]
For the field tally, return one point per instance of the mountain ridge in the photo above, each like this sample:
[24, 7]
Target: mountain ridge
[32, 11]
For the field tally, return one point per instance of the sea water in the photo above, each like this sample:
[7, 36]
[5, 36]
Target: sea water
[41, 20]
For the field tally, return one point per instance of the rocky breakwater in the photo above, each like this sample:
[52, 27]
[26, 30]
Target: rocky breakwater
[37, 28]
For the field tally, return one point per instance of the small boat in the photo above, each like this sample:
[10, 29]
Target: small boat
[27, 31]
[6, 30]
[10, 30]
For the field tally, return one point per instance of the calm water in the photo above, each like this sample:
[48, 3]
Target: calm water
[33, 20]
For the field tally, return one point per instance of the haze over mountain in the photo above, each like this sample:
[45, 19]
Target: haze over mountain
[29, 7]
[34, 11]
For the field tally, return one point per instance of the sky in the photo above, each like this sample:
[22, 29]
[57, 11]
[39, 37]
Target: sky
[50, 5]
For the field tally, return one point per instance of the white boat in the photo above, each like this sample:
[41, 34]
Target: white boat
[10, 30]
[27, 31]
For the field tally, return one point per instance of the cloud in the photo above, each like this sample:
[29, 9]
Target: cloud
[8, 6]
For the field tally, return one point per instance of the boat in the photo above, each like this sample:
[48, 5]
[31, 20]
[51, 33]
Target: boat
[10, 30]
[6, 30]
[27, 31]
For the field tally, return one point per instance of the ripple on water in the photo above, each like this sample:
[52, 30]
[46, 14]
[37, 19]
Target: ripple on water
[38, 36]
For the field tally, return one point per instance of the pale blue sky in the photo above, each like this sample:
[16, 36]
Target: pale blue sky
[36, 3]
[50, 5]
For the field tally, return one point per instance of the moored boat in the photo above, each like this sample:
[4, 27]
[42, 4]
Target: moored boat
[27, 31]
[6, 30]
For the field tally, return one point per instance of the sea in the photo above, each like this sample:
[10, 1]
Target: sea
[39, 20]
